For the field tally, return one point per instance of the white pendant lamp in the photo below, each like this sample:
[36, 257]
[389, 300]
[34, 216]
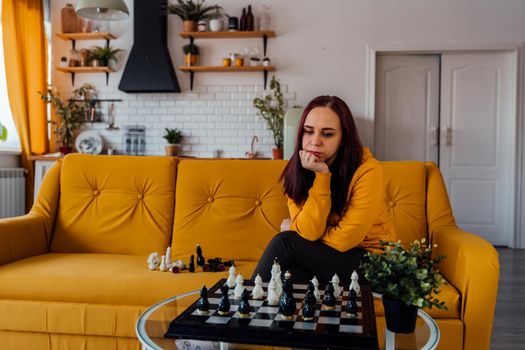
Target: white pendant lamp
[102, 10]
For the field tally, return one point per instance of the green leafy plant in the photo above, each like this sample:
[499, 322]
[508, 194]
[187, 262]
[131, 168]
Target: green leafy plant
[69, 113]
[173, 136]
[3, 132]
[271, 109]
[191, 11]
[410, 275]
[190, 48]
[106, 54]
[217, 14]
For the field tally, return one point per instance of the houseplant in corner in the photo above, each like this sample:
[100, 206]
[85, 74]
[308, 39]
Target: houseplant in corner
[271, 109]
[3, 132]
[190, 12]
[408, 279]
[69, 113]
[174, 138]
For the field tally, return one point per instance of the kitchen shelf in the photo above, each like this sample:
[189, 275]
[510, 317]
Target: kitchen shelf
[75, 70]
[86, 36]
[193, 69]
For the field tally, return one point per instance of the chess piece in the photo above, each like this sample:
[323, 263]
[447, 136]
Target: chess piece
[317, 293]
[354, 285]
[276, 275]
[309, 303]
[286, 302]
[257, 292]
[244, 306]
[200, 259]
[329, 297]
[163, 266]
[351, 305]
[239, 287]
[168, 258]
[203, 305]
[337, 288]
[224, 302]
[191, 267]
[231, 278]
[153, 261]
[272, 298]
[180, 265]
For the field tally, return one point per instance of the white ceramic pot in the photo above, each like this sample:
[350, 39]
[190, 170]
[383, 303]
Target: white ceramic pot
[216, 25]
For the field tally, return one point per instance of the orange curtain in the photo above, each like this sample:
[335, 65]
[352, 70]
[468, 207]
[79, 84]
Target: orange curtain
[25, 53]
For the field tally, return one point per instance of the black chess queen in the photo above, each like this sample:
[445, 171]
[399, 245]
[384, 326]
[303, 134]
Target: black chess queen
[335, 196]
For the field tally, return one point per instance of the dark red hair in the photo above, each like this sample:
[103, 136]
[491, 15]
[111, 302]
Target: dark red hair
[298, 180]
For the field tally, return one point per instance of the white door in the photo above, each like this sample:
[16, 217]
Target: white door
[407, 107]
[478, 141]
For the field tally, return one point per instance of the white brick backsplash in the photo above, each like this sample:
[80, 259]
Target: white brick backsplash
[213, 117]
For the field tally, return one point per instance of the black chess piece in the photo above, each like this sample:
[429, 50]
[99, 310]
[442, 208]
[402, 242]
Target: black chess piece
[224, 302]
[200, 258]
[287, 305]
[244, 306]
[329, 297]
[191, 266]
[310, 297]
[203, 305]
[351, 305]
[309, 304]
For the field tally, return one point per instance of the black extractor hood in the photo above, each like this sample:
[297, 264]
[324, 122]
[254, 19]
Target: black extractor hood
[149, 67]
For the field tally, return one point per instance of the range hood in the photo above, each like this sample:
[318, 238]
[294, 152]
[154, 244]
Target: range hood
[149, 67]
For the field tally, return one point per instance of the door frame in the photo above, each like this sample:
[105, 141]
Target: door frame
[517, 238]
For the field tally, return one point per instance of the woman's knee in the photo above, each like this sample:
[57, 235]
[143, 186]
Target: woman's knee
[286, 237]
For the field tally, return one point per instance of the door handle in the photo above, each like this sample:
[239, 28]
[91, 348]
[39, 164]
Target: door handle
[449, 137]
[434, 132]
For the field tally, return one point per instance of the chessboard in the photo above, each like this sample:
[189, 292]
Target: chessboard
[334, 329]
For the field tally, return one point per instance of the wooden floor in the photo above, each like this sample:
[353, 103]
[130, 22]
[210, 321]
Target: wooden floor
[509, 319]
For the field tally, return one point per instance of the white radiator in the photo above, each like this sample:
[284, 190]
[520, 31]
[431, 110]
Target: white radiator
[12, 192]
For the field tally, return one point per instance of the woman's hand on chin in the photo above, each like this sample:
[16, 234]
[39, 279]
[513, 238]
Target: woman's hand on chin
[311, 162]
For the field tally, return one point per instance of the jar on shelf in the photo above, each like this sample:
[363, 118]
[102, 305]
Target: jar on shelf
[74, 58]
[84, 57]
[264, 18]
[69, 19]
[84, 25]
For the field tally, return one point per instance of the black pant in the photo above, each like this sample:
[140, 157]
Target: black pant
[306, 259]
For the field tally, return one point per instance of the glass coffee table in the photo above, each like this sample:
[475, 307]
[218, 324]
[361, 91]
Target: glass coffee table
[154, 322]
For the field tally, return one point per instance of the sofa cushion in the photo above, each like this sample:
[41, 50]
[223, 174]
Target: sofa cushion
[405, 197]
[115, 204]
[232, 208]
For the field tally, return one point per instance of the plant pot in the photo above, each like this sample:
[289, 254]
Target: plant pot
[97, 63]
[277, 153]
[217, 25]
[171, 150]
[189, 26]
[190, 59]
[400, 318]
[65, 149]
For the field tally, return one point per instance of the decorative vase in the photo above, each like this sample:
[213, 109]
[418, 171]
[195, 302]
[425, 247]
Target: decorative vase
[277, 153]
[191, 60]
[69, 19]
[189, 26]
[171, 149]
[400, 317]
[217, 25]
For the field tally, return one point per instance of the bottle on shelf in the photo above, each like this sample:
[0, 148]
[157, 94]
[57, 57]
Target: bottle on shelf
[250, 21]
[69, 19]
[242, 24]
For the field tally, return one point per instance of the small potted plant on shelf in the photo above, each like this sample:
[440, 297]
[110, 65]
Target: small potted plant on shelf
[271, 109]
[408, 279]
[174, 138]
[103, 56]
[69, 114]
[191, 54]
[190, 12]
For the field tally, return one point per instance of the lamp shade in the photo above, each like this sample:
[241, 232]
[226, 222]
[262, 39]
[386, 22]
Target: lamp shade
[102, 10]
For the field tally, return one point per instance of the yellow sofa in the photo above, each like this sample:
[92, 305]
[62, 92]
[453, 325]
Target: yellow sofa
[73, 272]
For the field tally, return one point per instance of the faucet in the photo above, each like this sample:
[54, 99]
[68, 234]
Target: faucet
[252, 153]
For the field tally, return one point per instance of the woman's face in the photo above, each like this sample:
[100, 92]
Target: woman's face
[322, 134]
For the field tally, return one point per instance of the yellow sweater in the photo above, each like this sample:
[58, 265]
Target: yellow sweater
[366, 220]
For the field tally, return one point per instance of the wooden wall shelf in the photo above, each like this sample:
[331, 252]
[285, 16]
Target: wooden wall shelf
[228, 35]
[193, 69]
[74, 70]
[86, 36]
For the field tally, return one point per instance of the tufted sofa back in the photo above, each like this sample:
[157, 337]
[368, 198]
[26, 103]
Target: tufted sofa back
[115, 204]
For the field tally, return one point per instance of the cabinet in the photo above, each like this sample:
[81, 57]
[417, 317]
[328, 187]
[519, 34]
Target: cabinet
[265, 34]
[73, 37]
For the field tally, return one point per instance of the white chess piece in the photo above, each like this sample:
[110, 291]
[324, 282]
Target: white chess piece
[337, 288]
[272, 299]
[230, 282]
[163, 266]
[168, 258]
[317, 294]
[275, 267]
[239, 287]
[153, 261]
[257, 292]
[278, 283]
[355, 284]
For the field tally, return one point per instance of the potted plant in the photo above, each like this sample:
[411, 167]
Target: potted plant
[408, 279]
[216, 20]
[103, 56]
[174, 138]
[190, 12]
[69, 114]
[3, 132]
[191, 54]
[271, 110]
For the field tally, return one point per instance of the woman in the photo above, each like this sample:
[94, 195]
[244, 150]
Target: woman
[335, 198]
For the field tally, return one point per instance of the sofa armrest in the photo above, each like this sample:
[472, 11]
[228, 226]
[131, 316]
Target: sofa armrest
[472, 266]
[22, 237]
